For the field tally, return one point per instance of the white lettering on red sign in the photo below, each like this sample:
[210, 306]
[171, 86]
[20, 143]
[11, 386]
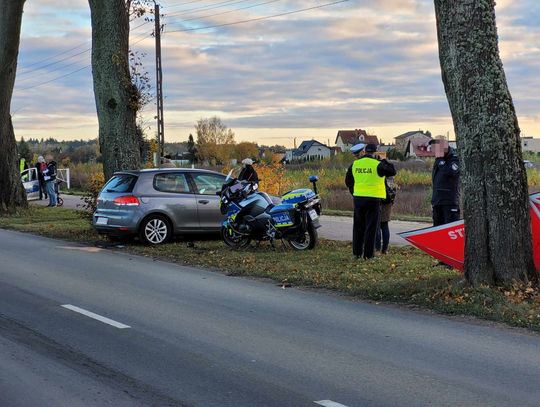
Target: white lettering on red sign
[456, 234]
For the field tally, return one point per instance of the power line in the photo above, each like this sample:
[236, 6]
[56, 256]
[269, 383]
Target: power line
[207, 7]
[54, 56]
[64, 66]
[181, 4]
[72, 72]
[65, 52]
[56, 62]
[55, 79]
[229, 11]
[259, 18]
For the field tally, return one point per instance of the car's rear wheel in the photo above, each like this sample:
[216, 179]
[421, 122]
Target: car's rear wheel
[155, 229]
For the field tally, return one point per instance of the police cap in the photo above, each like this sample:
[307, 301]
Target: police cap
[357, 148]
[371, 148]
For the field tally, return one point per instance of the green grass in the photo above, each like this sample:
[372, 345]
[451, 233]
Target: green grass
[405, 276]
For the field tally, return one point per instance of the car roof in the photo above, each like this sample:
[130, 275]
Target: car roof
[156, 170]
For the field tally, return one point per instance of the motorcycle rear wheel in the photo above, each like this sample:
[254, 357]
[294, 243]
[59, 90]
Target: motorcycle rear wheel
[234, 240]
[306, 241]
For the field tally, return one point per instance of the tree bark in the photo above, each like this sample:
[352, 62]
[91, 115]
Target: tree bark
[12, 194]
[498, 244]
[116, 98]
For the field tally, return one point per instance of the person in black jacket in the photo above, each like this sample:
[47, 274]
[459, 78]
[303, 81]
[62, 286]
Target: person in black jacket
[40, 167]
[445, 179]
[365, 180]
[248, 173]
[49, 175]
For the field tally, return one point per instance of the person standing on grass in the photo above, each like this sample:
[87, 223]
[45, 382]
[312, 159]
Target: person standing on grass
[445, 179]
[49, 175]
[40, 167]
[365, 180]
[383, 233]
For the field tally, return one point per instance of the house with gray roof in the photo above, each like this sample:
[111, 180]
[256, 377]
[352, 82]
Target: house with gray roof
[307, 151]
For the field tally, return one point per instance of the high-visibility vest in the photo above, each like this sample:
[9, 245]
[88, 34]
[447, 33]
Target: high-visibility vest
[367, 182]
[22, 162]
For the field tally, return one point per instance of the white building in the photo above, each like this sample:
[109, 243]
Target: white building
[308, 150]
[530, 144]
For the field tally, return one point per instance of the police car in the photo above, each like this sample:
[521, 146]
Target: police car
[29, 178]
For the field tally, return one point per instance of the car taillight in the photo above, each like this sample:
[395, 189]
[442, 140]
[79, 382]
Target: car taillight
[127, 200]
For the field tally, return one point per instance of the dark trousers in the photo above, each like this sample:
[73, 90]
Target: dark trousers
[42, 189]
[382, 240]
[443, 214]
[367, 213]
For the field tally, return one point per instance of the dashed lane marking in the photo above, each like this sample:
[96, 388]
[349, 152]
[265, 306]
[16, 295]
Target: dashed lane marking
[96, 316]
[88, 249]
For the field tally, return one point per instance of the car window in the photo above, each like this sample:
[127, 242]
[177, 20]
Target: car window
[175, 183]
[121, 183]
[208, 184]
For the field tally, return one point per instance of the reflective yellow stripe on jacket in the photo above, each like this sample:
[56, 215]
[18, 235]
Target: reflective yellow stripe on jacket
[366, 180]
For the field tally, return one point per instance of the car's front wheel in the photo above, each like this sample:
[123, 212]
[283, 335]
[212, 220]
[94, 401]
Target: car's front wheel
[155, 229]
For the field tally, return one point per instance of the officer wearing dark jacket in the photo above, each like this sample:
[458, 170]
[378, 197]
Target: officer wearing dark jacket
[365, 180]
[248, 173]
[445, 179]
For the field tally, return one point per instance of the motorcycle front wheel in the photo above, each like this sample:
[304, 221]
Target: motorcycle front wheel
[234, 240]
[305, 241]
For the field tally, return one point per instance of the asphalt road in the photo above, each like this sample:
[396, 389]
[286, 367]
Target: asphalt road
[188, 337]
[332, 227]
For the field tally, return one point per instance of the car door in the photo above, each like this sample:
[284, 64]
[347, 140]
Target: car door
[30, 181]
[206, 185]
[175, 197]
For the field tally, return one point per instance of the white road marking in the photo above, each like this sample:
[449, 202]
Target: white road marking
[329, 403]
[96, 316]
[88, 249]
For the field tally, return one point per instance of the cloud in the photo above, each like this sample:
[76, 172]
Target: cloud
[367, 63]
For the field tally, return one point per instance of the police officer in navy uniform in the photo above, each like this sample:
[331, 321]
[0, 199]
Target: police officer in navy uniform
[445, 178]
[365, 180]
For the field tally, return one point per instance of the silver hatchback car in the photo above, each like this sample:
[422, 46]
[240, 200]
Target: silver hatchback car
[155, 204]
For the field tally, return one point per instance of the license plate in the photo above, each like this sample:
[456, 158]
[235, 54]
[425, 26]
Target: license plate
[101, 221]
[313, 214]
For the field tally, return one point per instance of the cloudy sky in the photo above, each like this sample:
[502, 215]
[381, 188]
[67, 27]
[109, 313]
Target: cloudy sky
[370, 64]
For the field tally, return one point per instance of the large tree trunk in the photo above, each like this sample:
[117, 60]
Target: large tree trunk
[12, 193]
[498, 246]
[116, 97]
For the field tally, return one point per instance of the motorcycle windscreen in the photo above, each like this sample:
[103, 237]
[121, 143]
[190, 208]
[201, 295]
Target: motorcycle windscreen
[447, 242]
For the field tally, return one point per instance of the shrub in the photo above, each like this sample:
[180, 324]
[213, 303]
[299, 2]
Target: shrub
[96, 183]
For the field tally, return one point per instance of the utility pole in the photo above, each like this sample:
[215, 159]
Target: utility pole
[159, 84]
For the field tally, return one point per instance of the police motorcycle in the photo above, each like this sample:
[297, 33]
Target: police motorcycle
[251, 215]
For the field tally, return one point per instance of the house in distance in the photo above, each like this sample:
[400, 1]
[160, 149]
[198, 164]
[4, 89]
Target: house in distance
[345, 139]
[307, 151]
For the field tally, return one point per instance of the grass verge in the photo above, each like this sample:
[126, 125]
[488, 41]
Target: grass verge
[405, 276]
